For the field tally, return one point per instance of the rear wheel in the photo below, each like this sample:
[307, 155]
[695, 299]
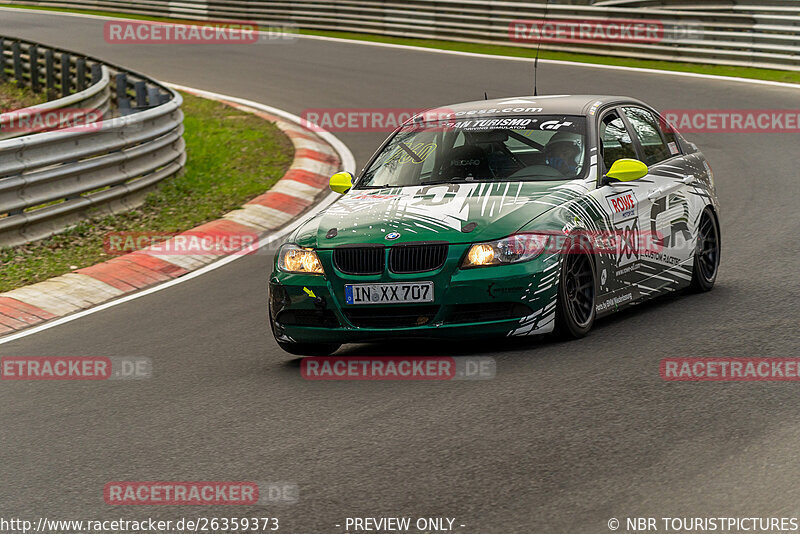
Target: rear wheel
[707, 253]
[575, 306]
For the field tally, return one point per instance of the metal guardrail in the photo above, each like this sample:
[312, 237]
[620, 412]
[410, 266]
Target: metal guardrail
[52, 179]
[790, 6]
[766, 40]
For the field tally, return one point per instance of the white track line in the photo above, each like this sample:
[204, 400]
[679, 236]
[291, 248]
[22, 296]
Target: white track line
[348, 164]
[460, 53]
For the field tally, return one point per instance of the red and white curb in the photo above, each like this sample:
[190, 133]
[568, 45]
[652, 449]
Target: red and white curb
[318, 154]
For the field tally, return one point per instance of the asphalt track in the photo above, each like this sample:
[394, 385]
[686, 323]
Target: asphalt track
[565, 437]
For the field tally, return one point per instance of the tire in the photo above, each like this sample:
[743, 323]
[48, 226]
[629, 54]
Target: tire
[707, 253]
[308, 349]
[575, 304]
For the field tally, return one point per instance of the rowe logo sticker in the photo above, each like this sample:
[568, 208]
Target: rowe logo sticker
[623, 203]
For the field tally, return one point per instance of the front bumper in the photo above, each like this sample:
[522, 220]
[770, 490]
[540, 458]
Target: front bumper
[500, 300]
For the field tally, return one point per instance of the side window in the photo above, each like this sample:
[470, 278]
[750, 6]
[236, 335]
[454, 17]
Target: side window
[616, 141]
[673, 144]
[647, 130]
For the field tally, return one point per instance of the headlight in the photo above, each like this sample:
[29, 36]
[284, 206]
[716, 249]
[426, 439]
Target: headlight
[514, 249]
[294, 259]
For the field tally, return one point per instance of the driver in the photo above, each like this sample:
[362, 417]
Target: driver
[562, 152]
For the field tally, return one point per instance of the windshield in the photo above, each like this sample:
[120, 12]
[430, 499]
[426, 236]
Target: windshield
[544, 148]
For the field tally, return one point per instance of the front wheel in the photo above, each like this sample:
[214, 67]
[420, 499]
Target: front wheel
[575, 307]
[707, 253]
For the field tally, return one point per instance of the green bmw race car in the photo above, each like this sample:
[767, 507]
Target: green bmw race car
[509, 217]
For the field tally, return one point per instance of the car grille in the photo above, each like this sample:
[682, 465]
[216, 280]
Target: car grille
[391, 317]
[359, 260]
[417, 258]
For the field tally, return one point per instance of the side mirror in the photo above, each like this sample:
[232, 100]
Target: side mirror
[625, 170]
[341, 182]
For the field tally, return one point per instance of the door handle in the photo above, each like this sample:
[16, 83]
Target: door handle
[654, 194]
[689, 179]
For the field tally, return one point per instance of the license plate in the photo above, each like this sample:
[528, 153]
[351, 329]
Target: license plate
[396, 293]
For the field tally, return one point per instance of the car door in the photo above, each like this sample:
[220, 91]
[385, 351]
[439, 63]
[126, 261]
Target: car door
[668, 222]
[627, 207]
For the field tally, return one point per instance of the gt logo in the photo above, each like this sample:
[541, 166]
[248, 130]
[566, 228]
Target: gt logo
[554, 125]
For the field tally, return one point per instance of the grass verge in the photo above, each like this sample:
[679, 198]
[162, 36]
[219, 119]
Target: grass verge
[501, 50]
[13, 97]
[233, 156]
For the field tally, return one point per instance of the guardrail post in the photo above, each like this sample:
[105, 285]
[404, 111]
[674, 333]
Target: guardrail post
[66, 62]
[16, 51]
[33, 59]
[80, 67]
[153, 97]
[50, 73]
[123, 102]
[141, 94]
[97, 72]
[2, 60]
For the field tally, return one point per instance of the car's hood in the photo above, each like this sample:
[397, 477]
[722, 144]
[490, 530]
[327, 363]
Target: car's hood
[429, 213]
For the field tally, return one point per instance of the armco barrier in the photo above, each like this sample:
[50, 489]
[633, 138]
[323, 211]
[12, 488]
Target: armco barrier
[736, 37]
[51, 179]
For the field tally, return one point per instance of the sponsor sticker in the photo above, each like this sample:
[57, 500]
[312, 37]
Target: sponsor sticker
[628, 243]
[623, 203]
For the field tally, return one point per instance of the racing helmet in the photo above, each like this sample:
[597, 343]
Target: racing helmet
[564, 152]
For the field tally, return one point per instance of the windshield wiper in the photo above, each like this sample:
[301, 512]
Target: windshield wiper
[462, 181]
